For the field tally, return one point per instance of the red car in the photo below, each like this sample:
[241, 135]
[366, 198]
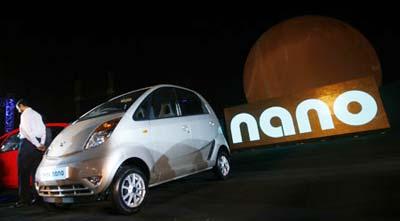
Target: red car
[9, 144]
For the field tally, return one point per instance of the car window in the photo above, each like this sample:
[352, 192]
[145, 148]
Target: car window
[115, 105]
[163, 103]
[190, 103]
[143, 111]
[12, 143]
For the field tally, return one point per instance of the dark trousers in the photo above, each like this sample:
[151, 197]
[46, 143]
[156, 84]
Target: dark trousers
[29, 158]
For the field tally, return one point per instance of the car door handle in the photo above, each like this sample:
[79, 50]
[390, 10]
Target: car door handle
[186, 128]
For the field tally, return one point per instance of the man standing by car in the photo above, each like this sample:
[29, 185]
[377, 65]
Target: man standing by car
[32, 145]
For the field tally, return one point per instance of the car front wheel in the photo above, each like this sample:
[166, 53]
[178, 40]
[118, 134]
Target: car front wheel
[129, 190]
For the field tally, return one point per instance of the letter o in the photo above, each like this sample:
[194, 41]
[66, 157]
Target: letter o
[369, 108]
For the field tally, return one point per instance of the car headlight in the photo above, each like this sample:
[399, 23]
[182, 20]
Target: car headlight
[102, 133]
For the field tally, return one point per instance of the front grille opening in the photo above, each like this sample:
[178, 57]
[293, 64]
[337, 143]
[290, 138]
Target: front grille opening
[65, 190]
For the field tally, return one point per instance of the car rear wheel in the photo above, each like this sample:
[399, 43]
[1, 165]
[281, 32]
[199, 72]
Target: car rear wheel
[222, 166]
[129, 190]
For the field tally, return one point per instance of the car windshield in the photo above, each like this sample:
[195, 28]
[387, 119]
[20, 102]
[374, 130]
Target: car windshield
[115, 105]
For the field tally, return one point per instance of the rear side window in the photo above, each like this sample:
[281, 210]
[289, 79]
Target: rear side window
[190, 103]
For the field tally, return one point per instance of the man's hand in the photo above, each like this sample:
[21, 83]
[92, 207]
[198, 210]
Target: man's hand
[41, 148]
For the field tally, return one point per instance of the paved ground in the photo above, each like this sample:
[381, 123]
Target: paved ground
[356, 178]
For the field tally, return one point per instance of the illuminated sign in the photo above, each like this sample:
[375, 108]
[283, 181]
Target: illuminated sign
[9, 109]
[343, 108]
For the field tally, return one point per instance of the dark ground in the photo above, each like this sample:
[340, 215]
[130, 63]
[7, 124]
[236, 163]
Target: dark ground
[351, 178]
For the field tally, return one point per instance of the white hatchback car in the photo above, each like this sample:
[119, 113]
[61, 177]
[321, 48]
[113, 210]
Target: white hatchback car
[131, 142]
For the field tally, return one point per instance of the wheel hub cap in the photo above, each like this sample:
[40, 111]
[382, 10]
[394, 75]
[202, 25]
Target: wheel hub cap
[223, 164]
[133, 190]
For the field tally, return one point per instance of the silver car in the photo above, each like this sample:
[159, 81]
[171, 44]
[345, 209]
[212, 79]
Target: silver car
[130, 143]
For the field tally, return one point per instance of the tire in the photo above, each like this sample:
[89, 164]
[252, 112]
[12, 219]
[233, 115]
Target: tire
[123, 191]
[222, 166]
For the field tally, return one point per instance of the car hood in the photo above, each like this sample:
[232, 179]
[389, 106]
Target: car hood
[74, 137]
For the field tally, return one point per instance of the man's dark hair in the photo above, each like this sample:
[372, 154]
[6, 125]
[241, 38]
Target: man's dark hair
[23, 102]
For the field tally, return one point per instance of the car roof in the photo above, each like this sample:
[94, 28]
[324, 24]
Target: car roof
[154, 87]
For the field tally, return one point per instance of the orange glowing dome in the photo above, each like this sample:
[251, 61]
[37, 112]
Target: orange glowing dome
[307, 52]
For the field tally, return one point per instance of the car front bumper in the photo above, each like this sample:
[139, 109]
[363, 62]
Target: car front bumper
[81, 179]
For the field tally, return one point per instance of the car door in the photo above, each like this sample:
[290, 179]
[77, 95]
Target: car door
[203, 127]
[170, 135]
[8, 161]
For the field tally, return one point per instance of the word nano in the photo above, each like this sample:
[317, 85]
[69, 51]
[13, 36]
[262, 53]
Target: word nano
[252, 124]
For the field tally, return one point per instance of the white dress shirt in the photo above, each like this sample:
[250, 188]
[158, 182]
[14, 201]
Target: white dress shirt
[32, 127]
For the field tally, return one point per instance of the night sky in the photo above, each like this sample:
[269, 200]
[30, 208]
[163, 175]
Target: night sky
[40, 59]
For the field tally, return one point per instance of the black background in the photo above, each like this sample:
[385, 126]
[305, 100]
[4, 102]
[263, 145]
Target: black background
[41, 58]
